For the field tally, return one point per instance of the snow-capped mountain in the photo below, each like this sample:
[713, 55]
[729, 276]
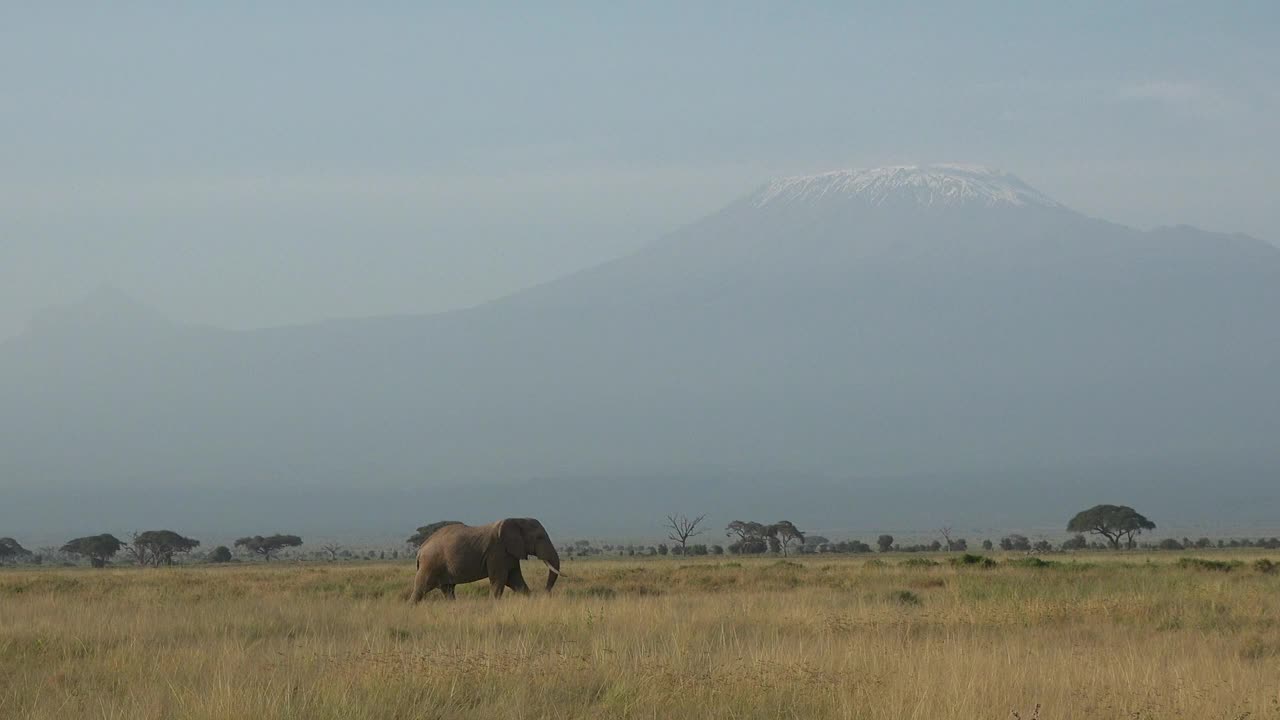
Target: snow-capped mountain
[859, 325]
[905, 185]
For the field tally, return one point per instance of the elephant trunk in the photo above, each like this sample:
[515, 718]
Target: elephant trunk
[547, 554]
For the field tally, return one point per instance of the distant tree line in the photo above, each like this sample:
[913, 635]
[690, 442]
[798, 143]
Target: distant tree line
[148, 548]
[1113, 527]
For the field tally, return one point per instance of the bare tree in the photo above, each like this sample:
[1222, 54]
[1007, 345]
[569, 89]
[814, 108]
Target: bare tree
[333, 549]
[945, 531]
[682, 528]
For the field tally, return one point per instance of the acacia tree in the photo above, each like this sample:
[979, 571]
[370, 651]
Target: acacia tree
[11, 549]
[751, 536]
[332, 549]
[268, 546]
[682, 528]
[98, 548]
[135, 550]
[415, 540]
[786, 533]
[161, 545]
[1113, 522]
[156, 547]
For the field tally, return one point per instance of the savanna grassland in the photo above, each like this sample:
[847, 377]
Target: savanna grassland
[1125, 636]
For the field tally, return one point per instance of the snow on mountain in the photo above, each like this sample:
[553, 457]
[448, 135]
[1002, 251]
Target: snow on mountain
[918, 185]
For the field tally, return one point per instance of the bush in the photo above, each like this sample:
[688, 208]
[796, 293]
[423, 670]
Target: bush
[1077, 542]
[1031, 562]
[1266, 567]
[904, 597]
[1015, 542]
[973, 561]
[748, 547]
[1214, 565]
[220, 554]
[1170, 544]
[918, 562]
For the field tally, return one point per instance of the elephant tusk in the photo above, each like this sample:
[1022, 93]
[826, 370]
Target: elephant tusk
[552, 569]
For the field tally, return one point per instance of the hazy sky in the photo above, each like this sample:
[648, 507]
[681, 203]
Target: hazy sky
[244, 166]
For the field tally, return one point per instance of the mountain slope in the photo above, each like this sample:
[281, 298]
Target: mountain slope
[860, 324]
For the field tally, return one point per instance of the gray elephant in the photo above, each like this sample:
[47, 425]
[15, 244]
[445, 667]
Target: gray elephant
[462, 553]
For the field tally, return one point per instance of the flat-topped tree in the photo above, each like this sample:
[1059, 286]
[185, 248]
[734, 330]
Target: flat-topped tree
[1114, 522]
[98, 548]
[268, 546]
[415, 540]
[785, 532]
[751, 536]
[159, 546]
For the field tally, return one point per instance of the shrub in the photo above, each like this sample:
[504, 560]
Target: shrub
[1202, 564]
[1076, 542]
[1015, 542]
[1170, 544]
[973, 561]
[1031, 562]
[904, 597]
[1266, 567]
[918, 562]
[220, 554]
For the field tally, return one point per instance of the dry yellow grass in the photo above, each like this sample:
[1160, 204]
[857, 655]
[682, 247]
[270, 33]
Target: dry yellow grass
[843, 638]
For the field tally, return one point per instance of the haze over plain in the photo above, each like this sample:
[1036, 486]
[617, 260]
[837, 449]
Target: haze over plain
[906, 359]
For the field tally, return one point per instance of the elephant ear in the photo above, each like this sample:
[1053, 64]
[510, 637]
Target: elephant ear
[511, 537]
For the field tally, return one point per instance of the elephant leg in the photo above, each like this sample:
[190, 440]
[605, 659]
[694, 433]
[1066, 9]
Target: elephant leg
[497, 581]
[448, 592]
[422, 584]
[515, 581]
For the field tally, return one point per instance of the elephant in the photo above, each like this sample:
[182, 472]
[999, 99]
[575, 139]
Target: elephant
[462, 553]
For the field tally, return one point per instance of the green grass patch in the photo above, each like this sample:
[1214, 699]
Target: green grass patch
[1210, 565]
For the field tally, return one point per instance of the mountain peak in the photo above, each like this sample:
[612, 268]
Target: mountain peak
[942, 185]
